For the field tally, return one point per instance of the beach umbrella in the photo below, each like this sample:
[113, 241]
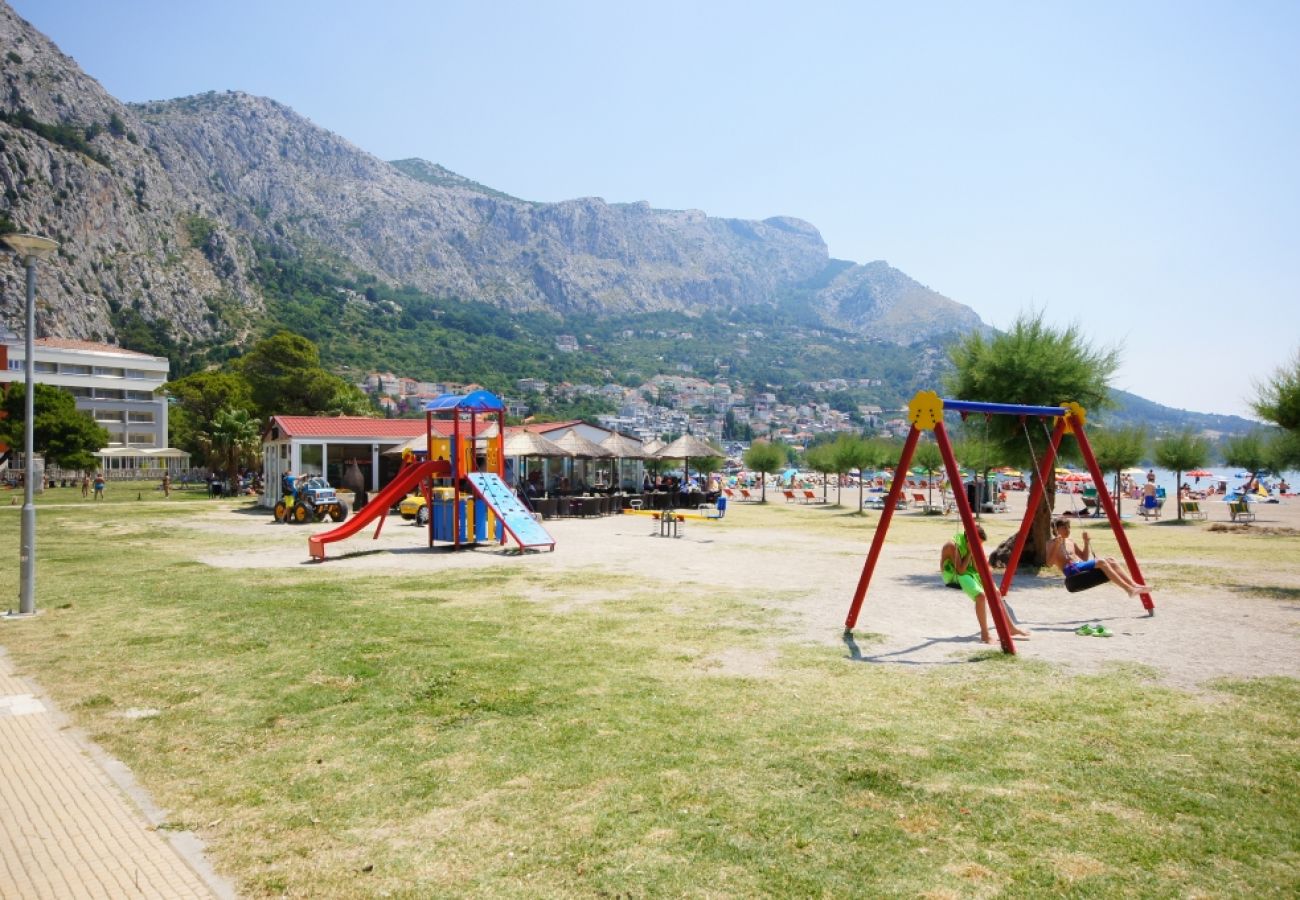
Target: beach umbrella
[1199, 473]
[623, 447]
[1075, 477]
[579, 447]
[524, 444]
[530, 443]
[652, 446]
[685, 447]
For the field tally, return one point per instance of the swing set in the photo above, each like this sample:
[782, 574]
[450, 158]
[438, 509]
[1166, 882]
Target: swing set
[925, 412]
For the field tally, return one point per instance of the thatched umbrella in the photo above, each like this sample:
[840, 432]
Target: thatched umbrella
[580, 447]
[530, 443]
[524, 444]
[652, 446]
[623, 447]
[686, 447]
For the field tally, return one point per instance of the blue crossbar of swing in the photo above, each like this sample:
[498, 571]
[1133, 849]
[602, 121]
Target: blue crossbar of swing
[1003, 409]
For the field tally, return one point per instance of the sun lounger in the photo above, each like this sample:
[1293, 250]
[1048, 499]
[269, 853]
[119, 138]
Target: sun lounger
[747, 496]
[789, 496]
[1092, 508]
[810, 497]
[1192, 509]
[1240, 511]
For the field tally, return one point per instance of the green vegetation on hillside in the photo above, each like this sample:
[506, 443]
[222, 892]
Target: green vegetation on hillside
[360, 324]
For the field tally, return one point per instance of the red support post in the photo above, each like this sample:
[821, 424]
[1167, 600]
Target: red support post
[1035, 494]
[895, 491]
[1103, 497]
[991, 595]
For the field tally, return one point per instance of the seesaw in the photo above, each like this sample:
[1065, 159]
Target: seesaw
[672, 513]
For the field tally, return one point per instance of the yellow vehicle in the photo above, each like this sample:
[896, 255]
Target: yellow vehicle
[414, 507]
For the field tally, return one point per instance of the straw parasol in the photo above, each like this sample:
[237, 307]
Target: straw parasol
[623, 447]
[529, 443]
[652, 447]
[579, 447]
[684, 448]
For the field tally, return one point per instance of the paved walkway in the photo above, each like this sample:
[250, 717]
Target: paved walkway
[67, 829]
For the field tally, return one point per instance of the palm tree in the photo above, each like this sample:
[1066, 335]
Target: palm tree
[234, 436]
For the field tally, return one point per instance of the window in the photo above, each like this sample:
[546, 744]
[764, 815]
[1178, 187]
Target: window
[108, 415]
[140, 439]
[83, 393]
[109, 394]
[137, 373]
[143, 417]
[108, 372]
[140, 395]
[44, 368]
[74, 369]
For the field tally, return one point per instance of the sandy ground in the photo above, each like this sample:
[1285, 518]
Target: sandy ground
[908, 620]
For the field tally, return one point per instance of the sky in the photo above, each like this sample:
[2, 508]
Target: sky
[1129, 168]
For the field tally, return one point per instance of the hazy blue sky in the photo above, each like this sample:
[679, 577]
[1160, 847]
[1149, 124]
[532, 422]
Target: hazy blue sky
[1132, 167]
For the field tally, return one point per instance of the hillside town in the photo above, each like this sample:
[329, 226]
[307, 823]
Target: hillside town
[665, 405]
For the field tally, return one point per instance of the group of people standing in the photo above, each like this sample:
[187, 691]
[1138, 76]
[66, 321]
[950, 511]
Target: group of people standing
[97, 485]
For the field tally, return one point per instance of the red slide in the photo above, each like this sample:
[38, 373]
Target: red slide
[378, 506]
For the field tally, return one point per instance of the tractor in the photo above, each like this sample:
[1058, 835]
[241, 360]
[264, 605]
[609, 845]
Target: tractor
[315, 502]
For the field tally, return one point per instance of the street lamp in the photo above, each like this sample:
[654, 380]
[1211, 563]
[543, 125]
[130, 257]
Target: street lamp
[31, 247]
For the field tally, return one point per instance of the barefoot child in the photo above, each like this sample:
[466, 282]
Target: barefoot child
[1067, 556]
[958, 568]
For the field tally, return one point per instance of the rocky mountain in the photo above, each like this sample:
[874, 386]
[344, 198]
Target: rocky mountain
[163, 210]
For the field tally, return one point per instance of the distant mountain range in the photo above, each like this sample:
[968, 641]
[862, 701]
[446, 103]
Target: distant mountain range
[171, 215]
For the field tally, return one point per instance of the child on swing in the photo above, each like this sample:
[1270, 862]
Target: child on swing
[958, 568]
[1067, 556]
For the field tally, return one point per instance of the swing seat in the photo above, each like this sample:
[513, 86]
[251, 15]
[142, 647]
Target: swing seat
[1081, 581]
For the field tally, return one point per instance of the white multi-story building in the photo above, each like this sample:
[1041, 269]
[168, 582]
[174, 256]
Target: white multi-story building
[117, 388]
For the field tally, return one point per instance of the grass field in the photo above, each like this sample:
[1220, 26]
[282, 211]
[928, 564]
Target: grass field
[331, 734]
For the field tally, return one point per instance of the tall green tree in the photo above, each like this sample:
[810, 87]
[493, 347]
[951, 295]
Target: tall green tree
[285, 377]
[1181, 452]
[1247, 451]
[765, 457]
[235, 438]
[928, 459]
[63, 434]
[1117, 449]
[821, 459]
[1279, 396]
[198, 398]
[861, 454]
[1031, 364]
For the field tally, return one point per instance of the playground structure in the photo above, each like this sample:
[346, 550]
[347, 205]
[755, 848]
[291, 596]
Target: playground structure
[925, 412]
[461, 475]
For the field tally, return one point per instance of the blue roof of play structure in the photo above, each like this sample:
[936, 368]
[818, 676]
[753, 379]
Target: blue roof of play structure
[475, 401]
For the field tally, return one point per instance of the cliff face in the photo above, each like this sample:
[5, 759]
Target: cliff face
[76, 165]
[161, 207]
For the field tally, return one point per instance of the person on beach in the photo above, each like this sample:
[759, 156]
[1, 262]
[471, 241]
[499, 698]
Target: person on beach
[1067, 556]
[85, 486]
[99, 485]
[958, 569]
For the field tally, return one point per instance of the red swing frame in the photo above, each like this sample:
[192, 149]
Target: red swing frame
[925, 412]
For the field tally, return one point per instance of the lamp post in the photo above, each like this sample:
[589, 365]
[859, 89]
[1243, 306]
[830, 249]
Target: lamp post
[31, 247]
